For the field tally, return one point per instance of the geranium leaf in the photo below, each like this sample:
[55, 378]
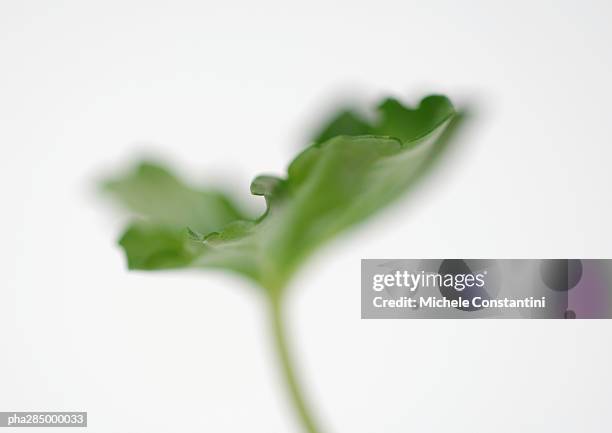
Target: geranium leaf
[353, 169]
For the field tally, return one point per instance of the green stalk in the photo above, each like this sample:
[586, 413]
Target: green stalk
[280, 341]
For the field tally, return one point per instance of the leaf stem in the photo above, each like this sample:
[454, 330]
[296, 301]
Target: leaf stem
[290, 378]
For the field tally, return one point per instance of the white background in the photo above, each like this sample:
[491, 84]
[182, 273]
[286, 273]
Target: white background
[226, 90]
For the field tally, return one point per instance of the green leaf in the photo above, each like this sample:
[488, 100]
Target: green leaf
[395, 120]
[353, 169]
[151, 246]
[346, 122]
[153, 193]
[164, 207]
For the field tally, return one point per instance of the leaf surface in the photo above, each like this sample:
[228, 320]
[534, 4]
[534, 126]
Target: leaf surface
[353, 169]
